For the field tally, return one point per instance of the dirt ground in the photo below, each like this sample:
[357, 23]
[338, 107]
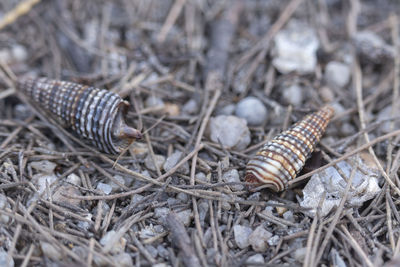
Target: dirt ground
[209, 83]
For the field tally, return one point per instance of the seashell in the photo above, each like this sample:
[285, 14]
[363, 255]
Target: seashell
[281, 159]
[95, 114]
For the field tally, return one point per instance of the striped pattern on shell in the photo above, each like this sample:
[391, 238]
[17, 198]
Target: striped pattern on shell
[281, 159]
[95, 114]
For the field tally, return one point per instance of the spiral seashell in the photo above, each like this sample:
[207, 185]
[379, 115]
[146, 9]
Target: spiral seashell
[95, 114]
[281, 159]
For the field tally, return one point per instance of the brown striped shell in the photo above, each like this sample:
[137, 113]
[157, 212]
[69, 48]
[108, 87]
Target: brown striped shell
[281, 159]
[96, 115]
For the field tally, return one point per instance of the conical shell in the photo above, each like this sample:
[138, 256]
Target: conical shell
[281, 159]
[97, 115]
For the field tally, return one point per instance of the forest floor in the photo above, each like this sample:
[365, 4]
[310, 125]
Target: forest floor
[209, 83]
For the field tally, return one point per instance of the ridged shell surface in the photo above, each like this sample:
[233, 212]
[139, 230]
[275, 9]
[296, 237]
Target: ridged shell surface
[281, 159]
[92, 113]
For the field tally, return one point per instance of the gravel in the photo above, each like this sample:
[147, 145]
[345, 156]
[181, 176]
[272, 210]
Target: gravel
[252, 110]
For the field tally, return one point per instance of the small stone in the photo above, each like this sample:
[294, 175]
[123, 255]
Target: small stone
[123, 260]
[201, 176]
[5, 219]
[231, 131]
[293, 95]
[288, 216]
[74, 179]
[163, 252]
[115, 187]
[84, 225]
[22, 111]
[161, 213]
[226, 110]
[273, 241]
[140, 150]
[185, 217]
[162, 264]
[330, 183]
[203, 210]
[43, 166]
[5, 260]
[190, 107]
[49, 251]
[43, 179]
[300, 254]
[182, 197]
[19, 53]
[147, 232]
[295, 49]
[136, 199]
[252, 110]
[326, 94]
[337, 74]
[159, 160]
[256, 259]
[232, 176]
[118, 246]
[225, 205]
[154, 101]
[259, 239]
[386, 114]
[173, 160]
[61, 195]
[105, 188]
[372, 48]
[241, 234]
[171, 109]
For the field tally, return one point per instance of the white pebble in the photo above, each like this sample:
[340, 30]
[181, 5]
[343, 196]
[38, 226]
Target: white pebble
[182, 197]
[50, 251]
[5, 219]
[288, 215]
[293, 95]
[300, 254]
[252, 110]
[385, 114]
[117, 246]
[123, 260]
[140, 149]
[241, 234]
[61, 195]
[159, 160]
[273, 241]
[190, 107]
[105, 188]
[295, 49]
[232, 176]
[22, 111]
[173, 160]
[74, 179]
[259, 239]
[331, 184]
[44, 166]
[185, 217]
[201, 176]
[19, 53]
[226, 110]
[337, 74]
[115, 187]
[231, 131]
[154, 101]
[161, 212]
[42, 179]
[256, 259]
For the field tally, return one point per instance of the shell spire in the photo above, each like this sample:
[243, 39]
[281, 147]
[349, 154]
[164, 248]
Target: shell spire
[282, 158]
[96, 115]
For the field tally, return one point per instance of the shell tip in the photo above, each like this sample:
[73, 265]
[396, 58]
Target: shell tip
[129, 133]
